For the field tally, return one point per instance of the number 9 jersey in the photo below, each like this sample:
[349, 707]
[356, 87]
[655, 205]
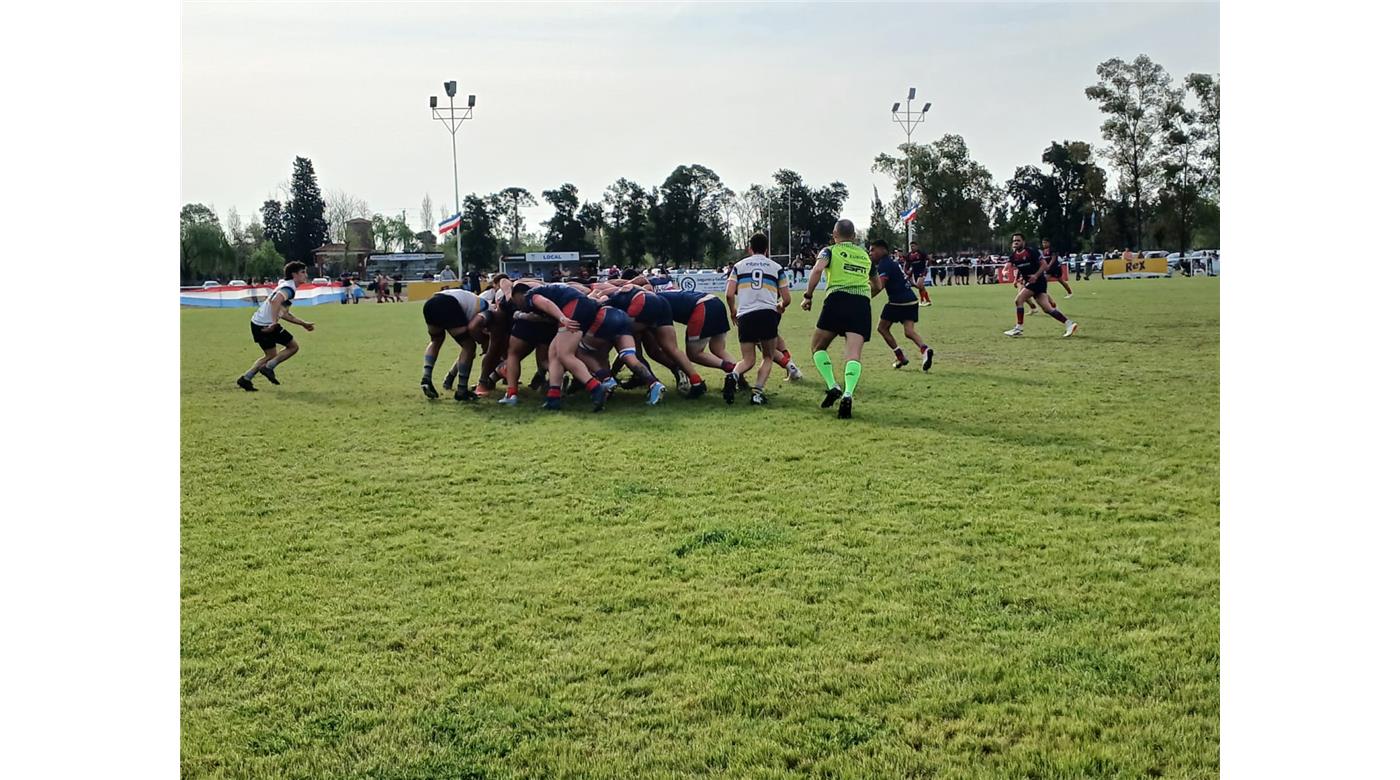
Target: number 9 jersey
[757, 278]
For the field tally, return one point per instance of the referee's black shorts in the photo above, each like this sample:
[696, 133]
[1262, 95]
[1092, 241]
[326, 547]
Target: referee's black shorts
[844, 312]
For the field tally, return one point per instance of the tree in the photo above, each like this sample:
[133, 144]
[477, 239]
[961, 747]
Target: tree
[956, 194]
[385, 232]
[590, 215]
[512, 200]
[274, 221]
[686, 220]
[1206, 89]
[306, 214]
[1132, 95]
[477, 235]
[425, 214]
[341, 207]
[814, 211]
[881, 227]
[563, 231]
[238, 241]
[1180, 165]
[626, 207]
[1057, 205]
[265, 262]
[204, 251]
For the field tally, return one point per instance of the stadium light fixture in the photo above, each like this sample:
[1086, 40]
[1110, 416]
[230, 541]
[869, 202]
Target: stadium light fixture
[896, 107]
[452, 119]
[908, 121]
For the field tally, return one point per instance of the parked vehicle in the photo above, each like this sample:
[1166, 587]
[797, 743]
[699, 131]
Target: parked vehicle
[321, 280]
[237, 283]
[207, 285]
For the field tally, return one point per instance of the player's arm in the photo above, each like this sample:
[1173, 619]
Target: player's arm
[545, 306]
[731, 292]
[286, 314]
[784, 294]
[812, 280]
[877, 283]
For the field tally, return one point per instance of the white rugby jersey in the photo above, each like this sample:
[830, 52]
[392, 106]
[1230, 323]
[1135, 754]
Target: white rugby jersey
[468, 300]
[263, 316]
[757, 279]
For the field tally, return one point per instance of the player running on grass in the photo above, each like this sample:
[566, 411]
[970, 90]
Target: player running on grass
[268, 331]
[917, 263]
[845, 311]
[757, 291]
[903, 306]
[462, 315]
[1032, 269]
[1057, 271]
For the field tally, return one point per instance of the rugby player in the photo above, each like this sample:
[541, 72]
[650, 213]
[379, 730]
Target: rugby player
[918, 269]
[611, 327]
[1057, 271]
[573, 310]
[903, 307]
[755, 288]
[1032, 269]
[706, 322]
[654, 326]
[462, 315]
[268, 331]
[845, 311]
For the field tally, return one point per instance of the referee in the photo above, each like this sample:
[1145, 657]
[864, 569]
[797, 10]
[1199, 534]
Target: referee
[845, 311]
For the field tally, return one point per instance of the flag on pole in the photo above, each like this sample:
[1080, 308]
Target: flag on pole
[905, 217]
[450, 224]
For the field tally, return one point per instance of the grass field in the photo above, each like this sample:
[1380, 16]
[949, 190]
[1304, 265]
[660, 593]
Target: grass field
[1007, 567]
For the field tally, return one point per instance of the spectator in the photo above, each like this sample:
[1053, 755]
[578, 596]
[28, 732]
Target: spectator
[448, 275]
[474, 282]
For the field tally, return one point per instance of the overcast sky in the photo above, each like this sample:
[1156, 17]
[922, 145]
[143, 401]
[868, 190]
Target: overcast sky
[587, 93]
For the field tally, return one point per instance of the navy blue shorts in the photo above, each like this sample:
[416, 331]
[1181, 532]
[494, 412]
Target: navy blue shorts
[896, 312]
[709, 319]
[610, 324]
[581, 311]
[537, 332]
[649, 309]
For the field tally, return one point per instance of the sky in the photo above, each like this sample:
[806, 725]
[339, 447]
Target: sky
[588, 93]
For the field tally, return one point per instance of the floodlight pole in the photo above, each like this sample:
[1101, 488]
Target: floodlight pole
[908, 122]
[789, 221]
[453, 120]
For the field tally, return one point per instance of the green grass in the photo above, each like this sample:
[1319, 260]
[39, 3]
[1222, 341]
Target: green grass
[1007, 567]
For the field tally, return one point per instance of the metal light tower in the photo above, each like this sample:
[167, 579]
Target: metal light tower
[909, 121]
[452, 120]
[789, 222]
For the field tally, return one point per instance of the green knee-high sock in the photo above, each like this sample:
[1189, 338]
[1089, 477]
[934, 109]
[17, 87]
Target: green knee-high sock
[852, 376]
[824, 368]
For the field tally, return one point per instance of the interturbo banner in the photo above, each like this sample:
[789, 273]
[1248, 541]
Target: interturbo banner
[1137, 268]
